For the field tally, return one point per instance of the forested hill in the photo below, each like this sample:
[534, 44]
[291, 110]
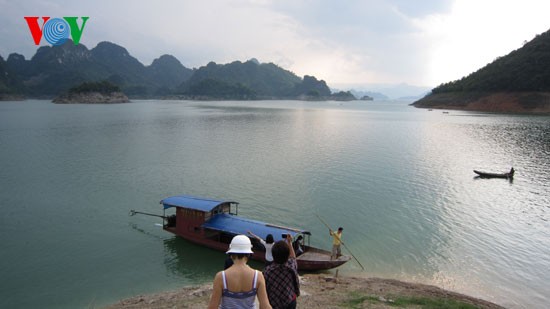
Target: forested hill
[55, 69]
[517, 82]
[251, 80]
[10, 85]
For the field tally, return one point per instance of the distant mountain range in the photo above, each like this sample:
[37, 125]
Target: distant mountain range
[55, 69]
[517, 82]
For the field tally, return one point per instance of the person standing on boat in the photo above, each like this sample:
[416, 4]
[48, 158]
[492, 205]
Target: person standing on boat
[268, 244]
[281, 277]
[239, 285]
[298, 245]
[336, 243]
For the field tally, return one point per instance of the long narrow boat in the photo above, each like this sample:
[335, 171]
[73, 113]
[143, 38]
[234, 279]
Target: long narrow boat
[508, 175]
[213, 223]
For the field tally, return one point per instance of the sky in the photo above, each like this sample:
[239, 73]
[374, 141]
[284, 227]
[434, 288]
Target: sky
[347, 43]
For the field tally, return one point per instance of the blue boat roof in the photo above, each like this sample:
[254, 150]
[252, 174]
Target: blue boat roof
[192, 202]
[237, 225]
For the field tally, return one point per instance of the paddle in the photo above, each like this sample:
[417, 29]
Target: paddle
[343, 244]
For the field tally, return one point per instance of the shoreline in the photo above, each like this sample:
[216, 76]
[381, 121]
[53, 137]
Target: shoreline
[532, 103]
[320, 291]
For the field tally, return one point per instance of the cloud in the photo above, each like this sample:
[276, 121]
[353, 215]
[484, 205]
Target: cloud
[363, 41]
[475, 33]
[342, 42]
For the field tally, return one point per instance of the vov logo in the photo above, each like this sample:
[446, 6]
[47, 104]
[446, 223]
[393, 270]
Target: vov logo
[56, 31]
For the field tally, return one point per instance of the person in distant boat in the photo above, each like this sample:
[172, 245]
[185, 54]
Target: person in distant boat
[239, 285]
[268, 244]
[336, 243]
[281, 278]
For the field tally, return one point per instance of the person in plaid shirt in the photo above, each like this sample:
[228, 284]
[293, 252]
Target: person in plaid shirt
[281, 277]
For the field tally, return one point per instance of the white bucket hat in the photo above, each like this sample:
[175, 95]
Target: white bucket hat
[240, 244]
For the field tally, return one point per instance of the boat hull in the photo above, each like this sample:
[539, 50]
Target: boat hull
[313, 259]
[493, 175]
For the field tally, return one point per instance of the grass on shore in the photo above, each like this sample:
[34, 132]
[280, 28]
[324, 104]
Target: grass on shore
[356, 300]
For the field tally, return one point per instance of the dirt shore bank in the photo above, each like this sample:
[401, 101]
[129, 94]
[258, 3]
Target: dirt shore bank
[537, 103]
[320, 291]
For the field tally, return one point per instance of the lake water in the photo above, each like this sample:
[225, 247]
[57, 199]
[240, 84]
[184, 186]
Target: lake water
[398, 179]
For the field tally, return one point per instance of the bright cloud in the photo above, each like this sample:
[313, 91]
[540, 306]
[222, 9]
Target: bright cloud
[477, 32]
[350, 42]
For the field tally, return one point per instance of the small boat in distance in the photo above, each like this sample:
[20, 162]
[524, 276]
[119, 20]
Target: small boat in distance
[508, 175]
[213, 223]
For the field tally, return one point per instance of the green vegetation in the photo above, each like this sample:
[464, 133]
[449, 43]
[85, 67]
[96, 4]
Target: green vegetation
[103, 87]
[55, 69]
[9, 83]
[432, 303]
[356, 301]
[311, 87]
[213, 88]
[516, 83]
[250, 80]
[525, 69]
[343, 96]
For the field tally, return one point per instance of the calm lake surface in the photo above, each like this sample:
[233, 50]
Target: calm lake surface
[398, 179]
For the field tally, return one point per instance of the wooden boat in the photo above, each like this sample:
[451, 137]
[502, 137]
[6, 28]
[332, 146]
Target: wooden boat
[507, 175]
[213, 223]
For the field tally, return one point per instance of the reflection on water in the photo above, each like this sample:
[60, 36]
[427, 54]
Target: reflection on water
[193, 262]
[400, 181]
[188, 260]
[182, 258]
[510, 180]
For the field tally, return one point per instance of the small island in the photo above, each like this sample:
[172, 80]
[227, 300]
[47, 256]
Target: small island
[102, 92]
[343, 96]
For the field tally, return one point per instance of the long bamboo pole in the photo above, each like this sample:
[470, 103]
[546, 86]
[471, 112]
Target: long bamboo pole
[133, 212]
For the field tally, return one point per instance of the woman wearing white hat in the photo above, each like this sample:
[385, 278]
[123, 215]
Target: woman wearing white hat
[238, 286]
